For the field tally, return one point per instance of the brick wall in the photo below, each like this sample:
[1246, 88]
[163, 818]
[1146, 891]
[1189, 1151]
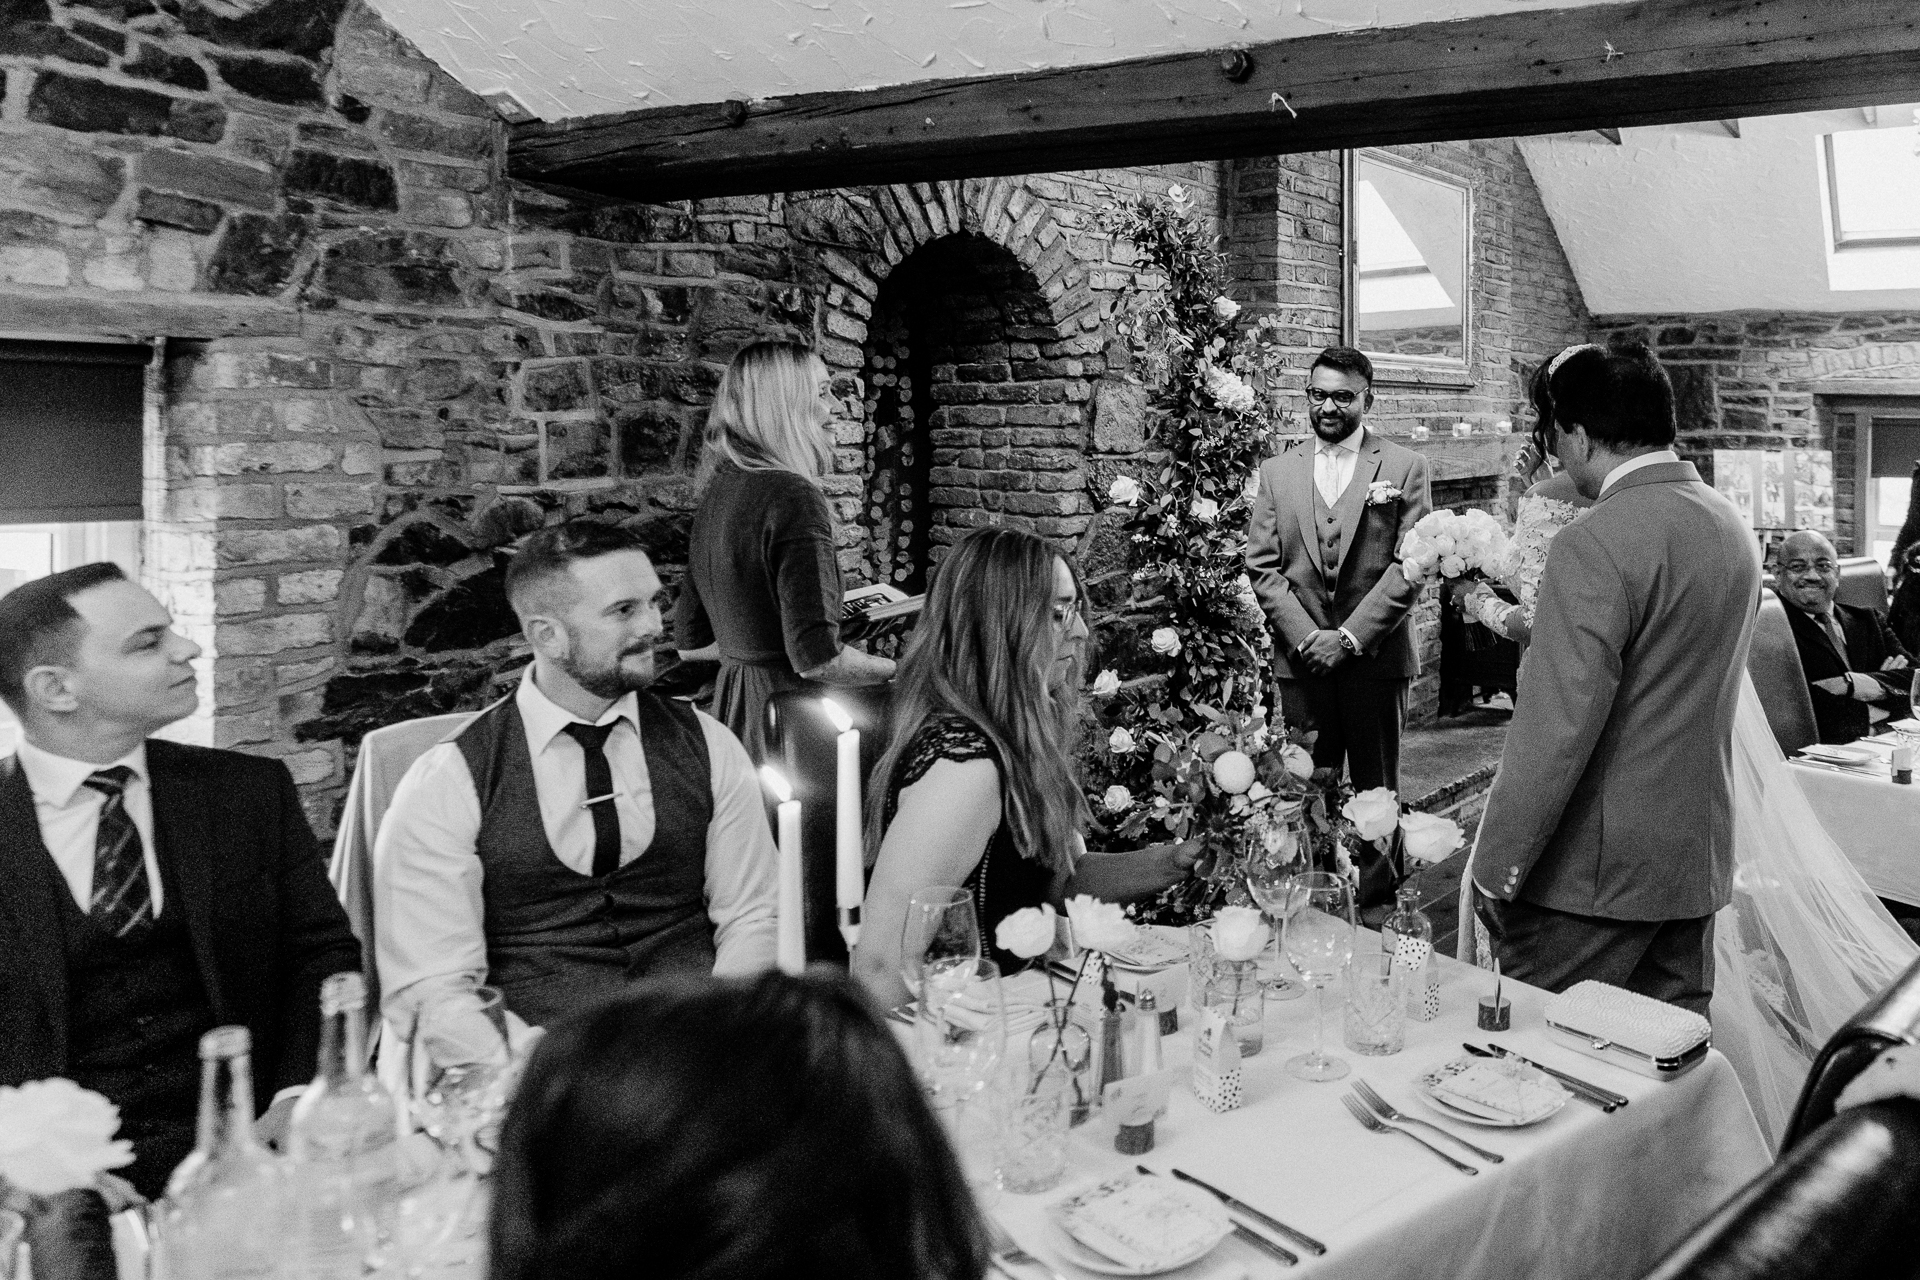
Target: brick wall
[384, 362]
[1773, 380]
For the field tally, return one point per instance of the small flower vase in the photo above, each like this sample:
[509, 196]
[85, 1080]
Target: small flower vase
[70, 1237]
[1235, 993]
[1062, 1046]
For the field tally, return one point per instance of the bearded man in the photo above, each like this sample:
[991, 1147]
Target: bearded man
[583, 833]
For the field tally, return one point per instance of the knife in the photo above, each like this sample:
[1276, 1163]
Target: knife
[1247, 1234]
[1300, 1238]
[1604, 1099]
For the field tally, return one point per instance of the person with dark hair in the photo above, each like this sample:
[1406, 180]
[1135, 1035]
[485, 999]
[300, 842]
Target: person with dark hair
[977, 787]
[1607, 843]
[762, 591]
[708, 1129]
[583, 832]
[149, 891]
[1322, 554]
[1903, 613]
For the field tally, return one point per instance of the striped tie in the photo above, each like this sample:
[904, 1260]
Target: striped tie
[122, 899]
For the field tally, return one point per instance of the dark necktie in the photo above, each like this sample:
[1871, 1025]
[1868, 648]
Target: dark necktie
[606, 819]
[122, 900]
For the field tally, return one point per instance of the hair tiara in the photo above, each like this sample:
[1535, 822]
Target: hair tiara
[1553, 366]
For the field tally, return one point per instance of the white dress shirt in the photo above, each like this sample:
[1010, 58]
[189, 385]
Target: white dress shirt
[69, 813]
[1632, 465]
[1334, 464]
[429, 913]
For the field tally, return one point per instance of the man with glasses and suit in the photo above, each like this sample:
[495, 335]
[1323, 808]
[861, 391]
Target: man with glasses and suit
[1857, 670]
[1321, 553]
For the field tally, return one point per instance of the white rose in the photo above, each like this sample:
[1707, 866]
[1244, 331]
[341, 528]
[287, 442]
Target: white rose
[1117, 799]
[55, 1136]
[1233, 771]
[1205, 508]
[1225, 308]
[1120, 741]
[1228, 391]
[1445, 544]
[1430, 837]
[1097, 925]
[1279, 841]
[1297, 760]
[1124, 491]
[1028, 932]
[1177, 194]
[1374, 813]
[1106, 684]
[1239, 933]
[1165, 641]
[1452, 566]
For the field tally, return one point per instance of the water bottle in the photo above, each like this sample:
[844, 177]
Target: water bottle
[343, 1140]
[223, 1216]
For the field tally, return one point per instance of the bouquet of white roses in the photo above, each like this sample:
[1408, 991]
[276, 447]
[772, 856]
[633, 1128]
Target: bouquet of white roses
[1452, 544]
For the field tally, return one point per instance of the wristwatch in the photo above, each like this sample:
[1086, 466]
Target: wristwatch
[1347, 642]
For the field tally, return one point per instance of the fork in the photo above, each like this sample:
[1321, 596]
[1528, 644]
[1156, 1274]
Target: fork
[1386, 1112]
[1006, 1250]
[1378, 1125]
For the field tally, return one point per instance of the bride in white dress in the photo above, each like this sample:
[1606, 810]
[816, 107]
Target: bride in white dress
[1804, 942]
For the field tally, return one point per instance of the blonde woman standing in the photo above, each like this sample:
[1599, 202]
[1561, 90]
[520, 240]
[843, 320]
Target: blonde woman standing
[763, 582]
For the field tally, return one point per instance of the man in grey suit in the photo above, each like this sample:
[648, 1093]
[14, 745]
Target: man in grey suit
[1321, 544]
[1608, 839]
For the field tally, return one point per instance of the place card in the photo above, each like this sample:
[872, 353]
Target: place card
[1216, 1063]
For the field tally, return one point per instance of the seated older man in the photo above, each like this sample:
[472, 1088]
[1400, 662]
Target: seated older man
[1857, 670]
[583, 833]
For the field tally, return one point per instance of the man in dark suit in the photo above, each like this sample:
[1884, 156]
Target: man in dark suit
[1857, 670]
[149, 891]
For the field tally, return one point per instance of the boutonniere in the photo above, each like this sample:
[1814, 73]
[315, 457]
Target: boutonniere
[1380, 493]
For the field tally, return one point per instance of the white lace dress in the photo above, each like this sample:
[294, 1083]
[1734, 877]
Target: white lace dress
[1804, 942]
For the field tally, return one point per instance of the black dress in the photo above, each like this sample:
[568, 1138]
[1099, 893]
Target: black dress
[763, 580]
[1003, 881]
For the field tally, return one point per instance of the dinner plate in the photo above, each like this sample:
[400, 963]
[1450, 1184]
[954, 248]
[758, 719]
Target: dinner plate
[1491, 1118]
[1829, 754]
[1082, 1254]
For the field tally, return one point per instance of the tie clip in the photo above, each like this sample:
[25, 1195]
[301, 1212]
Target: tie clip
[591, 801]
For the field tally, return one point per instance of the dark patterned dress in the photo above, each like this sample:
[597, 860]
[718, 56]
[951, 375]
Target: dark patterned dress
[1003, 881]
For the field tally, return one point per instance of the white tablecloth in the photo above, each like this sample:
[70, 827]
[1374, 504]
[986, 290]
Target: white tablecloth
[1581, 1194]
[1875, 822]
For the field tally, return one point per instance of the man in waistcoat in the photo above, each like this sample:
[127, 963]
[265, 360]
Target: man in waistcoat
[583, 833]
[1321, 554]
[149, 891]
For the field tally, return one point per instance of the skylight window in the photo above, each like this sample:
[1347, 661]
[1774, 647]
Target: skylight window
[1873, 188]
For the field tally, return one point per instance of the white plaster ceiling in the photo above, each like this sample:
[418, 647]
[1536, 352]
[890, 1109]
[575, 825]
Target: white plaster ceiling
[1688, 218]
[563, 58]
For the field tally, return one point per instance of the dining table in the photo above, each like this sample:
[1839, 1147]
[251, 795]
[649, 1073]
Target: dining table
[1583, 1193]
[1874, 820]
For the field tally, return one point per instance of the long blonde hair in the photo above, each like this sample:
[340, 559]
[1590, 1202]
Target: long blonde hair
[984, 650]
[766, 414]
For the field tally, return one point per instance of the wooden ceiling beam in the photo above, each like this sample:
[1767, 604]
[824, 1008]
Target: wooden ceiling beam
[1558, 71]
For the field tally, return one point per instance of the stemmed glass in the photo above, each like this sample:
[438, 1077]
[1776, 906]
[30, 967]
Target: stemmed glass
[1270, 876]
[459, 1067]
[1318, 938]
[939, 944]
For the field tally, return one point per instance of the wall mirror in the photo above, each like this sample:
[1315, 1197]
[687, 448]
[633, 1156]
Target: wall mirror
[1409, 266]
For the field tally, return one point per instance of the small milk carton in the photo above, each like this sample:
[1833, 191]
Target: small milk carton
[1216, 1062]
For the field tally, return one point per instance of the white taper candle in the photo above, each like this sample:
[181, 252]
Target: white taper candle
[792, 933]
[850, 883]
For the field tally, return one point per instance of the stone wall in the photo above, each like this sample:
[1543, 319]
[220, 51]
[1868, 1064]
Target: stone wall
[1773, 380]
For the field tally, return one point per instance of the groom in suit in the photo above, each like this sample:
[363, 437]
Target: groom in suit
[1607, 844]
[1321, 544]
[149, 891]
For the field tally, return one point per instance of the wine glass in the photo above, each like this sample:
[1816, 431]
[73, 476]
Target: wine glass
[459, 1065]
[964, 1037]
[1271, 870]
[1318, 938]
[939, 943]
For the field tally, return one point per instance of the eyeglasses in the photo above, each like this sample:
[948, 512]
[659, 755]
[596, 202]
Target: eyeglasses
[1342, 398]
[1821, 567]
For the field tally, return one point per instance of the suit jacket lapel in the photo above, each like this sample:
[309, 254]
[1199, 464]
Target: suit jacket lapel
[1353, 501]
[1300, 496]
[183, 837]
[29, 911]
[1808, 624]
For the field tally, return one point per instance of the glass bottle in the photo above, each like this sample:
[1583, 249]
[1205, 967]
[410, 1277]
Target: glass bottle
[344, 1142]
[1411, 923]
[223, 1216]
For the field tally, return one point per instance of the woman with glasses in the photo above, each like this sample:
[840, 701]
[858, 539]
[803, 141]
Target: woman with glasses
[978, 787]
[762, 589]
